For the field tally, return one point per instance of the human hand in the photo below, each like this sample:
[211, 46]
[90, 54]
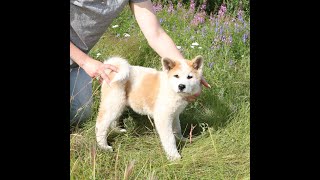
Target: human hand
[96, 69]
[194, 97]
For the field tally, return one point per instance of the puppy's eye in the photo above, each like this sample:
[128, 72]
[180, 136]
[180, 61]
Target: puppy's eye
[176, 76]
[189, 77]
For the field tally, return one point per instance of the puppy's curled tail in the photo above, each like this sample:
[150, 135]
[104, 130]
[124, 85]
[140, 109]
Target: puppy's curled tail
[123, 66]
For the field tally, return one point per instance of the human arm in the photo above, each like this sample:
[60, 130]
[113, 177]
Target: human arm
[91, 66]
[157, 38]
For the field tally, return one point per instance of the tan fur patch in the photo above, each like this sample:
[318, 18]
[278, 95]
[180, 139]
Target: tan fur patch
[175, 68]
[193, 71]
[145, 95]
[105, 90]
[190, 63]
[102, 111]
[128, 88]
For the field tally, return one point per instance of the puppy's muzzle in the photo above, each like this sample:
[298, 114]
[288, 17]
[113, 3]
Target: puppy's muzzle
[181, 87]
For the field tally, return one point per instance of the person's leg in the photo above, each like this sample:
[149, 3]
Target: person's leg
[80, 95]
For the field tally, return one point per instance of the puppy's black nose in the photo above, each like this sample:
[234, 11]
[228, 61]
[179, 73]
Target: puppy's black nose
[181, 87]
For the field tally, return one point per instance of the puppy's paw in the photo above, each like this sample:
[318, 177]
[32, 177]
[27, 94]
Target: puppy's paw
[106, 147]
[174, 157]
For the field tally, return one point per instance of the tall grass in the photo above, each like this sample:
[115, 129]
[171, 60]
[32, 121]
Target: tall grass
[220, 115]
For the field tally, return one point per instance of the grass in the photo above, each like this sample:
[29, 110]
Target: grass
[221, 114]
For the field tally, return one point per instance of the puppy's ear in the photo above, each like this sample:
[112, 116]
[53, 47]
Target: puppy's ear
[197, 62]
[167, 64]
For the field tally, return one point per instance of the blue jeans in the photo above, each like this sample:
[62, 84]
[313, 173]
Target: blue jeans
[80, 95]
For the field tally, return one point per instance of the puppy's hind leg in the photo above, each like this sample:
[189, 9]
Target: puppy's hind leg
[112, 104]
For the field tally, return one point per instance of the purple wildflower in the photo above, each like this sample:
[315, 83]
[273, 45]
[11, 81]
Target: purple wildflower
[226, 25]
[199, 18]
[170, 9]
[231, 62]
[223, 38]
[179, 4]
[221, 30]
[230, 40]
[244, 37]
[192, 6]
[217, 22]
[203, 32]
[210, 64]
[157, 7]
[203, 6]
[216, 29]
[240, 15]
[161, 20]
[222, 10]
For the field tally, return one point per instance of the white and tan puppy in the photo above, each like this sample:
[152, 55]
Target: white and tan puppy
[159, 94]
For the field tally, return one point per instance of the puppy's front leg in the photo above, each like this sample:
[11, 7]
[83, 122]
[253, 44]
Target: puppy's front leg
[164, 127]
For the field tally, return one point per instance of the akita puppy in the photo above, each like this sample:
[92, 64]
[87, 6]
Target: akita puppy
[158, 94]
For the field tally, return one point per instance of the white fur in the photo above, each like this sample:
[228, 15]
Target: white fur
[123, 74]
[167, 108]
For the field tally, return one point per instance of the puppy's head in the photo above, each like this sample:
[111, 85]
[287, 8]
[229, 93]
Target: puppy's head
[184, 75]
